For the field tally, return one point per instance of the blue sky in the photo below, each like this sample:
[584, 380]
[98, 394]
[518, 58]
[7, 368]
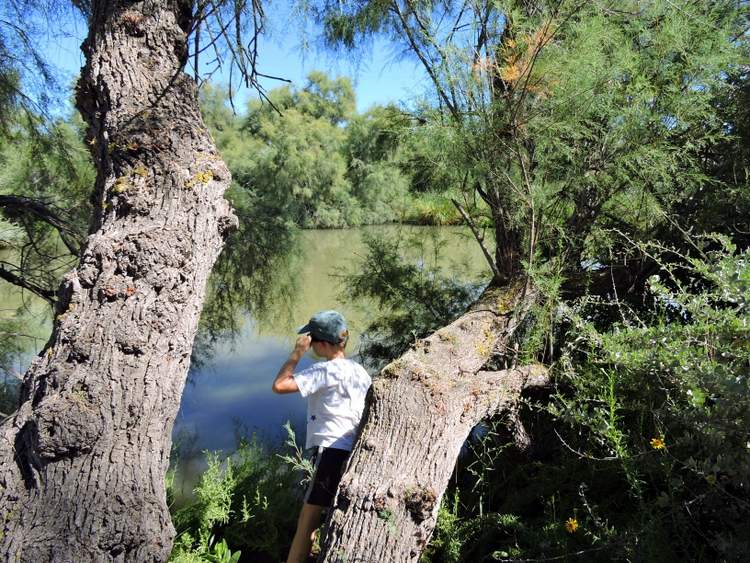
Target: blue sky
[379, 76]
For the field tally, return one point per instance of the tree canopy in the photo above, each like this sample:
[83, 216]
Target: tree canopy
[599, 154]
[599, 139]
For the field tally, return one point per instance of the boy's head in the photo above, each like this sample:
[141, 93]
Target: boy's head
[328, 328]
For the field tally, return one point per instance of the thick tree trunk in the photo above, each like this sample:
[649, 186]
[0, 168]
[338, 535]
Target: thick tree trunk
[420, 411]
[83, 462]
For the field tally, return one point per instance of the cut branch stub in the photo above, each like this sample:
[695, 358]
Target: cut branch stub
[420, 411]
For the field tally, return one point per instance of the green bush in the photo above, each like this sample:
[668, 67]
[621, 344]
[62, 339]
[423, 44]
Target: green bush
[642, 452]
[661, 400]
[249, 501]
[432, 209]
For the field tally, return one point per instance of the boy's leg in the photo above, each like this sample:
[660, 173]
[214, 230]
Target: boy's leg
[308, 522]
[329, 466]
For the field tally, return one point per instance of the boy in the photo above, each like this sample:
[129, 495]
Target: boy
[335, 390]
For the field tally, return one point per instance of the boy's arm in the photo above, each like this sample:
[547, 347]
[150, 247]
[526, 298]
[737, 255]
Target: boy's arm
[284, 382]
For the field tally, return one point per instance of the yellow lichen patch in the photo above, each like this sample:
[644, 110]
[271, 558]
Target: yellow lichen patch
[446, 336]
[205, 177]
[484, 348]
[121, 185]
[393, 369]
[504, 302]
[81, 398]
[418, 374]
[141, 171]
[506, 298]
[79, 395]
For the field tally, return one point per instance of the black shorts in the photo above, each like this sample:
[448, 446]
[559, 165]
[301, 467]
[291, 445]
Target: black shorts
[329, 467]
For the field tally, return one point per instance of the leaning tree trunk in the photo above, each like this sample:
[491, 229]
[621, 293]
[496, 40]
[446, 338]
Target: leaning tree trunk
[420, 411]
[84, 458]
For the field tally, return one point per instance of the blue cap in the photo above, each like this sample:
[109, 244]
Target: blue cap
[326, 325]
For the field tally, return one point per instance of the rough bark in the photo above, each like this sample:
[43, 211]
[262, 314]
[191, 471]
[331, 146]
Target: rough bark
[83, 460]
[420, 411]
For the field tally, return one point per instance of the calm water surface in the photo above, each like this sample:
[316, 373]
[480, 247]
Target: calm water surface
[230, 394]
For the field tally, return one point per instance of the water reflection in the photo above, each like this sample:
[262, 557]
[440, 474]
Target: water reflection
[230, 388]
[234, 388]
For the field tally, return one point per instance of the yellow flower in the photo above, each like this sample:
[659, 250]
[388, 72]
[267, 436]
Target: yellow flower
[571, 525]
[658, 443]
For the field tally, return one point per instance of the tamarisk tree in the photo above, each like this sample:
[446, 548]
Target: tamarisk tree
[573, 130]
[421, 410]
[84, 458]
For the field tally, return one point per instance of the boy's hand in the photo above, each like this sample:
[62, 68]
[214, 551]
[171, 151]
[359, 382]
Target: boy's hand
[284, 382]
[302, 345]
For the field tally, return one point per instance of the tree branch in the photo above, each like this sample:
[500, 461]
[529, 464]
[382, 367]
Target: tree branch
[502, 384]
[425, 63]
[43, 292]
[429, 37]
[480, 239]
[503, 391]
[14, 205]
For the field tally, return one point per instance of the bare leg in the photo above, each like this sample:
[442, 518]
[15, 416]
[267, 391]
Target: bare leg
[308, 522]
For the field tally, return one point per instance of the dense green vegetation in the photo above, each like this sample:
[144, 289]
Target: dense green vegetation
[640, 452]
[250, 500]
[307, 156]
[606, 151]
[601, 142]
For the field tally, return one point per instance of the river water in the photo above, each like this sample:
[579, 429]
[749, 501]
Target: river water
[230, 395]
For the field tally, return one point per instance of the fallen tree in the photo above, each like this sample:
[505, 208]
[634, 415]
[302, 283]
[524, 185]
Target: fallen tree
[420, 411]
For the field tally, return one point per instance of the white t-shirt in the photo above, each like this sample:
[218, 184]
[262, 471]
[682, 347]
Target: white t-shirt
[335, 391]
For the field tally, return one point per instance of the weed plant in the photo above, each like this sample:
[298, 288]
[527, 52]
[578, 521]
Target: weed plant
[245, 505]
